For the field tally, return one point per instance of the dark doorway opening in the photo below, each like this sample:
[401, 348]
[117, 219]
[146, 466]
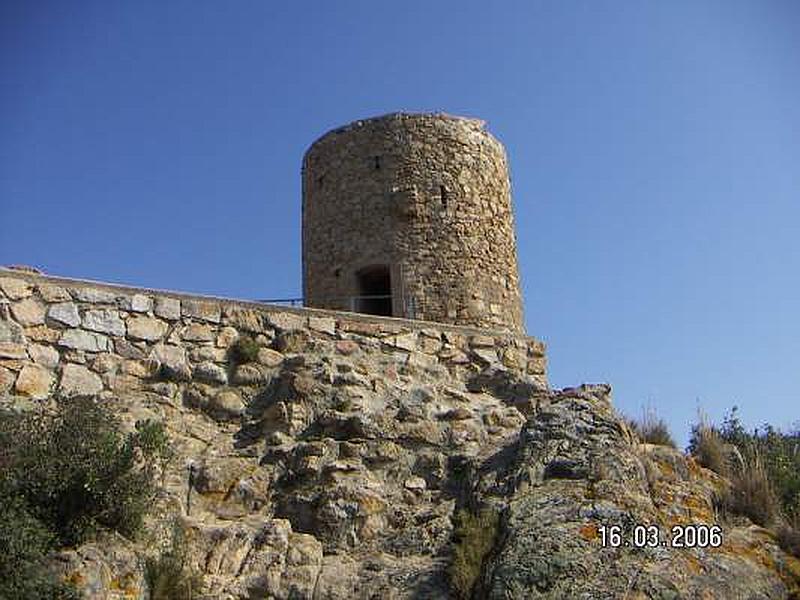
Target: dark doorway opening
[375, 290]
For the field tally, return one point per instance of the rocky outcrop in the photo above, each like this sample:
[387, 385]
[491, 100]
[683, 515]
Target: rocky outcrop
[332, 464]
[576, 471]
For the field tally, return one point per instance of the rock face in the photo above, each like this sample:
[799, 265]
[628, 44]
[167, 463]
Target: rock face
[334, 464]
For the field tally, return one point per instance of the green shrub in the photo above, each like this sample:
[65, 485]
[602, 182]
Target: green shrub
[244, 350]
[474, 538]
[24, 543]
[652, 429]
[169, 577]
[764, 471]
[76, 473]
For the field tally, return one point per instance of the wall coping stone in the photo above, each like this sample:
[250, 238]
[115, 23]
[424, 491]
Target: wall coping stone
[261, 306]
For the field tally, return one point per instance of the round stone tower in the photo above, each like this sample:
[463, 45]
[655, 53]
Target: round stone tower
[409, 215]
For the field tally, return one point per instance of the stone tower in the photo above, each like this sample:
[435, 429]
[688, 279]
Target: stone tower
[409, 215]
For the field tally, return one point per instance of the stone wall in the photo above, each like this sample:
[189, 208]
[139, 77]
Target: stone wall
[75, 337]
[427, 196]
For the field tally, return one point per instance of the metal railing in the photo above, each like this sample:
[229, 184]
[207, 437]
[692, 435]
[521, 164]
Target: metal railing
[354, 302]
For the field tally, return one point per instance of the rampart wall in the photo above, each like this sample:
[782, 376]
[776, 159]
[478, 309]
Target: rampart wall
[76, 337]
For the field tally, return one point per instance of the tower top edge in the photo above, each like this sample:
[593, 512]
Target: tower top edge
[476, 123]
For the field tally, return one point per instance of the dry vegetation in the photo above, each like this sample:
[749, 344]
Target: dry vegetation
[652, 429]
[764, 471]
[475, 537]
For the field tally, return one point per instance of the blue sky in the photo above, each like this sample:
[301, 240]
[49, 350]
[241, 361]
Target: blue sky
[654, 151]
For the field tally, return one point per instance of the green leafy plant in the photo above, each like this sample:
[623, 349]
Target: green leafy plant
[77, 473]
[244, 350]
[24, 544]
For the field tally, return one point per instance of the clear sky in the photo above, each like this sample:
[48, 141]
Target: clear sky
[654, 150]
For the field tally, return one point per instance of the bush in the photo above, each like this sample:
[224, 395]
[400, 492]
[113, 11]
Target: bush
[474, 538]
[77, 473]
[244, 350]
[24, 543]
[169, 576]
[653, 430]
[764, 470]
[64, 475]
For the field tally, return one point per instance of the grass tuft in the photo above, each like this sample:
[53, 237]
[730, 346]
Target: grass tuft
[475, 537]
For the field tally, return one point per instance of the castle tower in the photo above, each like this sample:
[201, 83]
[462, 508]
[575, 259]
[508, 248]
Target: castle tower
[409, 215]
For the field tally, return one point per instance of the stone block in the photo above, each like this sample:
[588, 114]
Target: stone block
[269, 357]
[168, 308]
[536, 348]
[197, 332]
[323, 324]
[79, 339]
[11, 332]
[146, 328]
[227, 336]
[53, 293]
[485, 355]
[140, 303]
[205, 310]
[65, 313]
[250, 374]
[28, 312]
[213, 373]
[7, 378]
[406, 341]
[42, 333]
[15, 289]
[346, 347]
[94, 295]
[121, 384]
[207, 353]
[12, 350]
[173, 361]
[128, 349]
[144, 369]
[77, 380]
[245, 319]
[359, 327]
[286, 321]
[46, 356]
[481, 341]
[34, 381]
[104, 320]
[227, 404]
[106, 363]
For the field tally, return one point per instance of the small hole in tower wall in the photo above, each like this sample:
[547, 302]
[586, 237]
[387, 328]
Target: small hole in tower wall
[443, 194]
[377, 163]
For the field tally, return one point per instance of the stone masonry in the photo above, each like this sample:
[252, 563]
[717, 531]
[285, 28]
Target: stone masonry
[424, 201]
[73, 337]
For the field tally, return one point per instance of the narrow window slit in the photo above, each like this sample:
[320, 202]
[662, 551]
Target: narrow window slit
[377, 163]
[443, 194]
